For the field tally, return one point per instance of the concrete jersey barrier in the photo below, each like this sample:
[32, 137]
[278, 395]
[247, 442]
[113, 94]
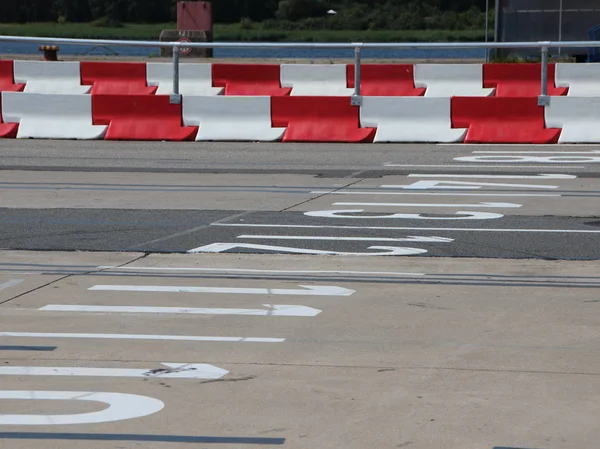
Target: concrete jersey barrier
[583, 80]
[578, 117]
[194, 79]
[51, 116]
[450, 80]
[222, 118]
[50, 77]
[316, 79]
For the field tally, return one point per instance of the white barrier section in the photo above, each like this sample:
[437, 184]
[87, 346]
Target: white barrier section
[231, 118]
[316, 79]
[51, 116]
[410, 119]
[194, 79]
[583, 80]
[47, 77]
[579, 118]
[448, 80]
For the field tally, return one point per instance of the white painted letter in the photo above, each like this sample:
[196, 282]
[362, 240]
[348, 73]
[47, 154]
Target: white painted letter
[457, 215]
[121, 406]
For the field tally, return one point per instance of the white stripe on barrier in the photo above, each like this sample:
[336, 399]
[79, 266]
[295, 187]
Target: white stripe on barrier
[194, 79]
[577, 116]
[231, 118]
[323, 80]
[50, 77]
[409, 119]
[449, 80]
[51, 116]
[581, 79]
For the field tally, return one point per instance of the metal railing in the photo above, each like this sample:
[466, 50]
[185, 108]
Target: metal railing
[544, 47]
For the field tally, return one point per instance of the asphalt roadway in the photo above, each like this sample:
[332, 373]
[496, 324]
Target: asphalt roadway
[305, 296]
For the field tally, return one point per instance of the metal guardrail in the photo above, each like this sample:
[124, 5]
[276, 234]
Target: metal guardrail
[543, 99]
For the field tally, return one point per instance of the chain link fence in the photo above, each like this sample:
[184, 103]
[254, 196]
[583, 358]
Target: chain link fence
[548, 20]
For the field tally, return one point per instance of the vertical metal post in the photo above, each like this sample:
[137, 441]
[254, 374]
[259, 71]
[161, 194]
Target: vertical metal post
[497, 25]
[356, 98]
[560, 25]
[543, 99]
[175, 98]
[487, 27]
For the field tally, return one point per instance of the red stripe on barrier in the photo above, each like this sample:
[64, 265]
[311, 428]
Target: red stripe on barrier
[520, 80]
[501, 120]
[386, 80]
[116, 78]
[7, 78]
[319, 119]
[249, 79]
[140, 117]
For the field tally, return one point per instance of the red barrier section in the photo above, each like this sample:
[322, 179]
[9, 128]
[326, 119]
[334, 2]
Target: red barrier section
[140, 117]
[116, 78]
[249, 79]
[519, 80]
[386, 80]
[7, 78]
[319, 119]
[501, 120]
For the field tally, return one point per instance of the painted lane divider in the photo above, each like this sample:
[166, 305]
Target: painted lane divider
[168, 371]
[10, 283]
[485, 205]
[463, 185]
[358, 192]
[121, 406]
[388, 250]
[140, 337]
[348, 239]
[487, 176]
[309, 290]
[517, 159]
[273, 310]
[537, 152]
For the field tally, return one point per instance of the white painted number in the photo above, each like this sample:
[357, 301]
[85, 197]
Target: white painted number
[388, 250]
[121, 406]
[461, 215]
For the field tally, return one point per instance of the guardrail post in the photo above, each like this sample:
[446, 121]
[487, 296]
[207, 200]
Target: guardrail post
[356, 99]
[544, 99]
[175, 97]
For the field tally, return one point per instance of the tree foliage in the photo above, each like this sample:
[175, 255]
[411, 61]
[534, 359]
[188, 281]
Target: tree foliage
[350, 14]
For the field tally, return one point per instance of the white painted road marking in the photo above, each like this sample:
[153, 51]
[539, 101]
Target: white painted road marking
[348, 239]
[168, 371]
[460, 215]
[463, 185]
[482, 205]
[389, 250]
[357, 192]
[121, 406]
[310, 290]
[483, 175]
[537, 152]
[273, 310]
[10, 283]
[245, 270]
[140, 337]
[517, 159]
[570, 167]
[402, 228]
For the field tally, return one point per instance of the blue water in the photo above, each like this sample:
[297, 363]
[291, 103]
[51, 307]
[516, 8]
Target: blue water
[82, 50]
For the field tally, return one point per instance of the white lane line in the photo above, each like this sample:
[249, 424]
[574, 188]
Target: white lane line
[484, 205]
[10, 283]
[244, 270]
[512, 145]
[537, 152]
[273, 310]
[348, 239]
[404, 228]
[309, 290]
[540, 176]
[140, 337]
[475, 165]
[350, 192]
[461, 185]
[388, 250]
[167, 370]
